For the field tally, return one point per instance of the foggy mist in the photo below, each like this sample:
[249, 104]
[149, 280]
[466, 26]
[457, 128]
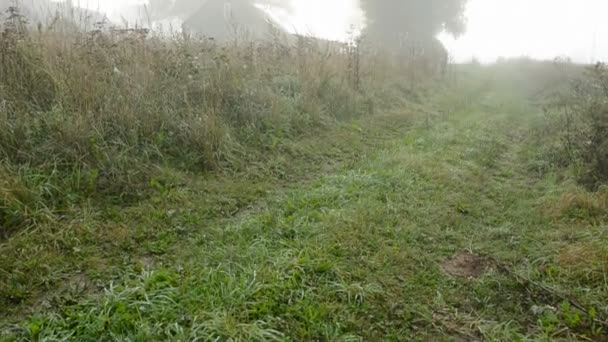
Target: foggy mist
[539, 29]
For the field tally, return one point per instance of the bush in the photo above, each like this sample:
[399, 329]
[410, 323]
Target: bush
[584, 129]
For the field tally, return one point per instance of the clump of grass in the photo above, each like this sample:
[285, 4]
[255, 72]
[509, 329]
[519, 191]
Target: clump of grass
[586, 261]
[578, 204]
[15, 203]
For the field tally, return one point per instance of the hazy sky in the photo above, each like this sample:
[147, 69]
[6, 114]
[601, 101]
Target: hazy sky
[536, 28]
[332, 19]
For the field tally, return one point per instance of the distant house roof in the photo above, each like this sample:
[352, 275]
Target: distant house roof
[226, 19]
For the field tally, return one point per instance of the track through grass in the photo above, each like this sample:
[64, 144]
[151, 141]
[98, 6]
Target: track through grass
[398, 240]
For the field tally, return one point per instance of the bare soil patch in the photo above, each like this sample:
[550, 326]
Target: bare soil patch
[465, 265]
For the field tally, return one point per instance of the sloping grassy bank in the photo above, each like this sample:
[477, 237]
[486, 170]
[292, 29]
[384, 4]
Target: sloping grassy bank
[98, 115]
[106, 135]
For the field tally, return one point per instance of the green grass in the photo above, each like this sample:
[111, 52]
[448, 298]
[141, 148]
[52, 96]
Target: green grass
[340, 235]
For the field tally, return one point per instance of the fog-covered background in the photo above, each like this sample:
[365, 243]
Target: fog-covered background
[495, 28]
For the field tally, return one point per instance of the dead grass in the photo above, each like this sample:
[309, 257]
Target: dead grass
[18, 204]
[585, 258]
[579, 204]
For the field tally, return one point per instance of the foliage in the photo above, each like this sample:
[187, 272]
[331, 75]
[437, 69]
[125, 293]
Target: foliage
[576, 127]
[585, 126]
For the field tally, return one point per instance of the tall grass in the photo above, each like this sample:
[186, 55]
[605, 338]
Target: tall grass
[578, 126]
[585, 133]
[90, 113]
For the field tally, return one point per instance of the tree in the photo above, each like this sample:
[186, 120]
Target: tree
[391, 22]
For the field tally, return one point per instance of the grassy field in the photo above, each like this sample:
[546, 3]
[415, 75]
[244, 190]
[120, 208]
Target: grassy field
[439, 220]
